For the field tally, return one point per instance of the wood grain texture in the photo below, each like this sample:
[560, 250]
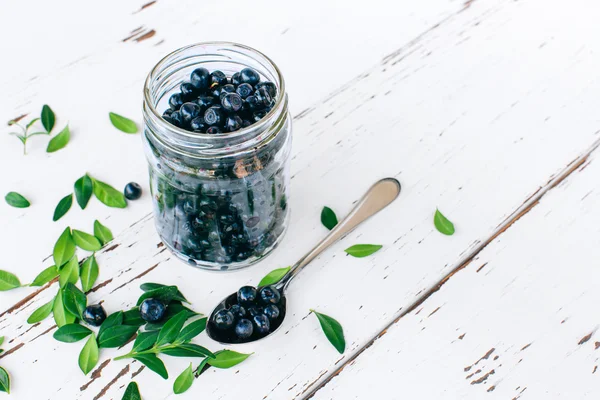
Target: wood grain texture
[474, 109]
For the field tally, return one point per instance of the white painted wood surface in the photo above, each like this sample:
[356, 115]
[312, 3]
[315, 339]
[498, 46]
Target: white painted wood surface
[474, 106]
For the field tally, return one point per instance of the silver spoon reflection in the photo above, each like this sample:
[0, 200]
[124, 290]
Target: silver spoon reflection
[380, 195]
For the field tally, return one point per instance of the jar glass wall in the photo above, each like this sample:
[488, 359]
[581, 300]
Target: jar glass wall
[220, 200]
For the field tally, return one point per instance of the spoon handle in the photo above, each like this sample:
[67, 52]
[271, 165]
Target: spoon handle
[379, 196]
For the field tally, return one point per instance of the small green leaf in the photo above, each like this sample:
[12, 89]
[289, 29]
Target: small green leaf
[113, 319]
[63, 206]
[132, 392]
[191, 330]
[4, 381]
[88, 358]
[116, 336]
[16, 200]
[41, 313]
[1, 340]
[274, 276]
[333, 331]
[184, 380]
[171, 329]
[30, 123]
[59, 141]
[200, 369]
[8, 281]
[86, 241]
[109, 195]
[101, 232]
[144, 341]
[45, 276]
[363, 250]
[69, 273]
[188, 350]
[71, 333]
[443, 224]
[89, 273]
[151, 286]
[61, 316]
[83, 190]
[165, 293]
[227, 359]
[64, 249]
[328, 218]
[132, 317]
[48, 118]
[153, 363]
[74, 300]
[123, 124]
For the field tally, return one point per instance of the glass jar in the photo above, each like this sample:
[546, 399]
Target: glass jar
[220, 200]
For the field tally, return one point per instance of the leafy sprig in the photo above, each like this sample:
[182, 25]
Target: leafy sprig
[4, 376]
[47, 119]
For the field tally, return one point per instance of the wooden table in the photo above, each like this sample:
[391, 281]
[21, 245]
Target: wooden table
[487, 109]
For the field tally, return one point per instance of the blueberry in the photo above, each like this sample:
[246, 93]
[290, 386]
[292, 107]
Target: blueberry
[269, 295]
[187, 90]
[198, 125]
[200, 78]
[94, 315]
[223, 319]
[233, 123]
[205, 101]
[251, 103]
[262, 324]
[246, 123]
[258, 115]
[213, 130]
[270, 86]
[152, 310]
[168, 112]
[218, 77]
[175, 101]
[246, 294]
[248, 75]
[271, 311]
[238, 311]
[176, 119]
[215, 91]
[255, 310]
[229, 88]
[213, 116]
[244, 329]
[132, 191]
[235, 78]
[244, 90]
[189, 111]
[263, 97]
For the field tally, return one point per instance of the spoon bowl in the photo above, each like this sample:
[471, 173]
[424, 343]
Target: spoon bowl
[380, 195]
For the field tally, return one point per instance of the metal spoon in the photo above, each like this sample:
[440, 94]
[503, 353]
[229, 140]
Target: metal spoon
[380, 195]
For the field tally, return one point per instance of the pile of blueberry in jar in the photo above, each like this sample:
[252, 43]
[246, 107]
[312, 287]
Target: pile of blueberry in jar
[252, 316]
[213, 103]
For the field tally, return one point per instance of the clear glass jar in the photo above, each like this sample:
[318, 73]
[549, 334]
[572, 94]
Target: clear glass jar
[220, 200]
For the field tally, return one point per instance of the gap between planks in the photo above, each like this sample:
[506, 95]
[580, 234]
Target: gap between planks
[523, 209]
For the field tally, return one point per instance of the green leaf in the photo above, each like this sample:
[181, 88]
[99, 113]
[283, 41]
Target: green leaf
[171, 329]
[132, 317]
[227, 358]
[333, 331]
[69, 273]
[8, 281]
[113, 319]
[74, 300]
[59, 141]
[191, 330]
[88, 358]
[153, 363]
[41, 313]
[116, 336]
[63, 206]
[45, 276]
[89, 273]
[48, 118]
[165, 293]
[101, 232]
[151, 286]
[144, 341]
[132, 392]
[123, 124]
[200, 368]
[83, 190]
[363, 250]
[109, 195]
[4, 381]
[86, 241]
[64, 249]
[71, 333]
[443, 224]
[274, 276]
[61, 316]
[1, 340]
[16, 200]
[188, 350]
[184, 380]
[328, 218]
[30, 123]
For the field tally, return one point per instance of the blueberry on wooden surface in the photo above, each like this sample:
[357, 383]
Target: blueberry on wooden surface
[200, 78]
[152, 310]
[244, 329]
[189, 111]
[218, 77]
[269, 295]
[262, 324]
[94, 315]
[132, 191]
[246, 294]
[248, 75]
[223, 319]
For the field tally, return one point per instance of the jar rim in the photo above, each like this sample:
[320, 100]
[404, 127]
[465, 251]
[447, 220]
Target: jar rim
[240, 132]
